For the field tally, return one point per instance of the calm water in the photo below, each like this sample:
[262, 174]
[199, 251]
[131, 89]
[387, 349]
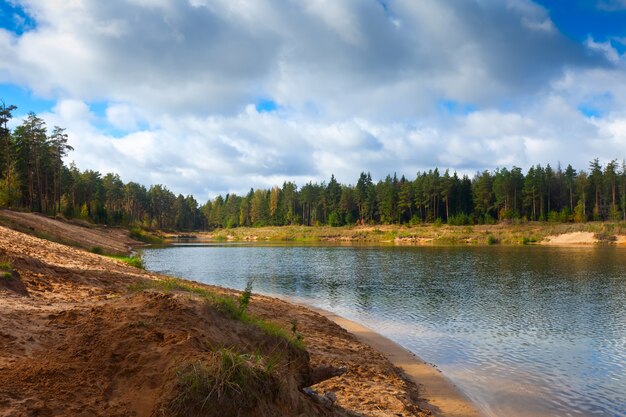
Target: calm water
[528, 331]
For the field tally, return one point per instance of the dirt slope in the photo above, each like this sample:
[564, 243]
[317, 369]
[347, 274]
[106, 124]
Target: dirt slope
[75, 233]
[75, 341]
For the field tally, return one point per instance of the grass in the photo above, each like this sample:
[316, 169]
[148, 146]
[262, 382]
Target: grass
[528, 240]
[224, 384]
[6, 275]
[129, 260]
[143, 236]
[235, 308]
[5, 265]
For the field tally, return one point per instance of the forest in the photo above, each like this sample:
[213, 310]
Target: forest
[33, 176]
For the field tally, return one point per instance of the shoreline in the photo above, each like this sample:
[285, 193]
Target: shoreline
[124, 339]
[531, 234]
[437, 393]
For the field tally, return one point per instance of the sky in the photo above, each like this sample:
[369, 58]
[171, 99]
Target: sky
[217, 96]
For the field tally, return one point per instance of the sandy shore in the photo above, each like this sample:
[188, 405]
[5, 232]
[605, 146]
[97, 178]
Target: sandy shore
[77, 340]
[57, 282]
[439, 395]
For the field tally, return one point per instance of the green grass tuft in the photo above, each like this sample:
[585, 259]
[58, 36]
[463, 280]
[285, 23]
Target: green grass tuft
[129, 260]
[5, 265]
[6, 275]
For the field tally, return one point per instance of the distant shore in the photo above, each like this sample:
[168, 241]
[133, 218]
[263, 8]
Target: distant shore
[529, 233]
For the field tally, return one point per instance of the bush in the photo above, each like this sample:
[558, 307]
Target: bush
[460, 219]
[491, 240]
[334, 219]
[244, 298]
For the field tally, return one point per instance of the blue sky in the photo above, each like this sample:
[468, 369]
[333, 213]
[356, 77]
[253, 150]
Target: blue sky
[580, 19]
[210, 97]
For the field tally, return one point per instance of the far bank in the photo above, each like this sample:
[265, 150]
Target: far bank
[526, 233]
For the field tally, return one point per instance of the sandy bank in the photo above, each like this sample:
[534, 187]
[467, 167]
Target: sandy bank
[438, 394]
[76, 339]
[571, 239]
[77, 233]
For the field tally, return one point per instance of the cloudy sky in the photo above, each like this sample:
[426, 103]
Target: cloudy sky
[216, 96]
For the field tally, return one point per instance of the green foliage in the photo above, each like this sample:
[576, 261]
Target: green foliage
[134, 260]
[460, 219]
[579, 212]
[5, 265]
[528, 240]
[334, 219]
[295, 333]
[34, 176]
[491, 240]
[144, 236]
[244, 298]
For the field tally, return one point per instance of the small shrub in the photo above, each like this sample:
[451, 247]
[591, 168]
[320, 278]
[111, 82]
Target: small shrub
[294, 331]
[6, 275]
[529, 240]
[5, 265]
[97, 250]
[491, 240]
[460, 219]
[244, 298]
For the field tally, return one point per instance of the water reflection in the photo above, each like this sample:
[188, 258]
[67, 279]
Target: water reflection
[529, 331]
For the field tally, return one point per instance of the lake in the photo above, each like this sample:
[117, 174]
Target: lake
[523, 331]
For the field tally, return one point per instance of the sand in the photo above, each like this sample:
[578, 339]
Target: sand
[75, 233]
[440, 395]
[75, 341]
[574, 238]
[78, 342]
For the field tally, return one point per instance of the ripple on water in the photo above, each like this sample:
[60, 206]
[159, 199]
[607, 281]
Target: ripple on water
[522, 331]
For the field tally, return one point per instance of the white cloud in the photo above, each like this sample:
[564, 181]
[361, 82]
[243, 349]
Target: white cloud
[359, 88]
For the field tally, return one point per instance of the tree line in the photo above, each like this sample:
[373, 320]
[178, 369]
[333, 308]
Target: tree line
[33, 176]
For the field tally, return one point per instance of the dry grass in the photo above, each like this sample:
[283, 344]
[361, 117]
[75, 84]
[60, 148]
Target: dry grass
[224, 383]
[511, 233]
